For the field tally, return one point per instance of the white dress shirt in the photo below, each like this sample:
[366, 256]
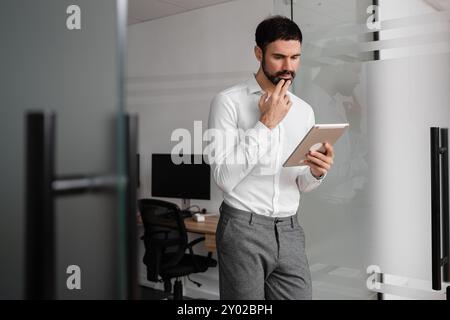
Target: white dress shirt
[258, 182]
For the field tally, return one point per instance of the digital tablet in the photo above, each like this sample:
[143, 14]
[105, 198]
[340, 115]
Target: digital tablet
[314, 140]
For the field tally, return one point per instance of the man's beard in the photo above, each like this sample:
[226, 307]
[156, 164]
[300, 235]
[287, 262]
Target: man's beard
[275, 78]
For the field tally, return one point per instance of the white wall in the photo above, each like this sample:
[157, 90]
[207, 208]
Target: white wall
[175, 67]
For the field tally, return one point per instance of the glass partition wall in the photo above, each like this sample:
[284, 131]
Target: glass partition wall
[62, 215]
[381, 66]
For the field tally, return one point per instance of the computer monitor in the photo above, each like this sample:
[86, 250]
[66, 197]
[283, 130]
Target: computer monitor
[184, 181]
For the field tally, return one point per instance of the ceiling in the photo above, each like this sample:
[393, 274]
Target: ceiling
[144, 10]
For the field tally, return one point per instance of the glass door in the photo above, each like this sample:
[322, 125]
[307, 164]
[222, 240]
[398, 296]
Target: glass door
[381, 66]
[63, 63]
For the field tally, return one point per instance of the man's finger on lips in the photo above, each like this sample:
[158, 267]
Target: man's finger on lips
[277, 90]
[285, 87]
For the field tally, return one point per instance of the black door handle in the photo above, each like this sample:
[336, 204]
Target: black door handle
[42, 187]
[439, 205]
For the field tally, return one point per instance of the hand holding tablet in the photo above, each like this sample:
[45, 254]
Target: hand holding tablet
[314, 140]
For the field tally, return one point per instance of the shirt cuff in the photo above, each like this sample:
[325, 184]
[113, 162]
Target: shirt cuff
[261, 126]
[311, 177]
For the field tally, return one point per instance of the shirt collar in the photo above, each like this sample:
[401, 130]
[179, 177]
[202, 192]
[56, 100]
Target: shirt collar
[253, 86]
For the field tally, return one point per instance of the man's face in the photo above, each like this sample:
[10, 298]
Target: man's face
[281, 60]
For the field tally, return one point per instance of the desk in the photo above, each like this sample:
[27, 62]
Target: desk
[206, 228]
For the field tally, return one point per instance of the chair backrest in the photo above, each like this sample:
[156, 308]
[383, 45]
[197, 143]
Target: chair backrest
[165, 236]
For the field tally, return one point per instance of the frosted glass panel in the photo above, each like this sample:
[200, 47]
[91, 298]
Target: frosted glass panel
[374, 207]
[332, 80]
[48, 63]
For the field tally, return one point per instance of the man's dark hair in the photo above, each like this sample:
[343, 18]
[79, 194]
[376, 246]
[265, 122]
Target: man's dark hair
[276, 28]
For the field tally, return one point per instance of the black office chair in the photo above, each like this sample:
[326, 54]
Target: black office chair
[165, 239]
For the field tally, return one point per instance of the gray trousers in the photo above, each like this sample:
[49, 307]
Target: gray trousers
[261, 257]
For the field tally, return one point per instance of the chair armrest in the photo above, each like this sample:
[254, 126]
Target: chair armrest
[195, 241]
[191, 252]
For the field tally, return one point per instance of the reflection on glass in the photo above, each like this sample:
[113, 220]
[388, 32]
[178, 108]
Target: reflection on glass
[332, 93]
[332, 80]
[373, 207]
